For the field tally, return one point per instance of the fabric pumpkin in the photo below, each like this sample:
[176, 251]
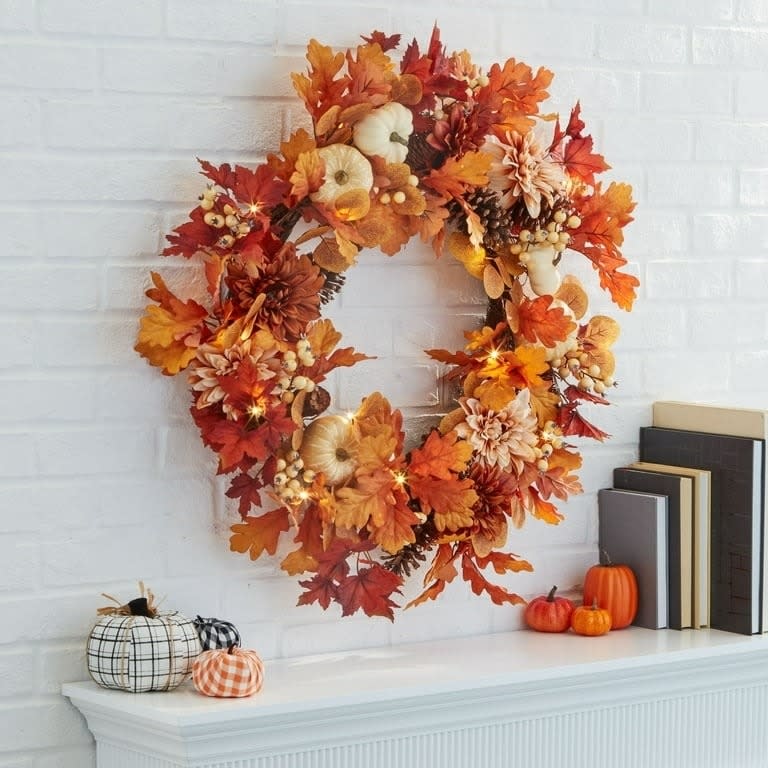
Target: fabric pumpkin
[142, 653]
[216, 633]
[228, 674]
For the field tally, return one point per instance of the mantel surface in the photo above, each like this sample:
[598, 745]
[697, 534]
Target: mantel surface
[390, 674]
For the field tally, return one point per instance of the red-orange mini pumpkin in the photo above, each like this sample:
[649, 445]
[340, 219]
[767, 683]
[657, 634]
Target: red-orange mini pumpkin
[590, 620]
[228, 673]
[548, 613]
[614, 587]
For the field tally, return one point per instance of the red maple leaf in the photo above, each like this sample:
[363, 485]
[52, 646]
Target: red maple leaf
[581, 161]
[538, 320]
[245, 488]
[572, 423]
[319, 589]
[191, 237]
[387, 43]
[369, 590]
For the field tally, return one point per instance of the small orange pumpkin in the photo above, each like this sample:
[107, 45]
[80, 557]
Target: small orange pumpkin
[233, 672]
[590, 620]
[614, 587]
[548, 613]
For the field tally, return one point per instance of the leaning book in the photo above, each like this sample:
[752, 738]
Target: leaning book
[736, 504]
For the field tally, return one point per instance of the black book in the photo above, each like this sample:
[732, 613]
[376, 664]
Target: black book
[679, 492]
[736, 504]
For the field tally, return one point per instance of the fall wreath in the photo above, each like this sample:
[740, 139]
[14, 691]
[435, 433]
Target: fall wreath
[463, 159]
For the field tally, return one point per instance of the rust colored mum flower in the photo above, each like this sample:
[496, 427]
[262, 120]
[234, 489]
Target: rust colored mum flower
[494, 490]
[521, 170]
[291, 286]
[504, 438]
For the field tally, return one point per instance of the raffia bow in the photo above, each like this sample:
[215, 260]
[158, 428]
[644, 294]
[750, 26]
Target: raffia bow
[139, 606]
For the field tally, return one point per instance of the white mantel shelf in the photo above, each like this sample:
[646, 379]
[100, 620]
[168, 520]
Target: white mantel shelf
[633, 698]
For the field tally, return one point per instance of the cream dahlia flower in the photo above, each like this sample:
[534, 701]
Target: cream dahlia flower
[521, 170]
[505, 438]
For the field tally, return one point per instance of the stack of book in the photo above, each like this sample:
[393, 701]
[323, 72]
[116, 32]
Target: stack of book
[689, 517]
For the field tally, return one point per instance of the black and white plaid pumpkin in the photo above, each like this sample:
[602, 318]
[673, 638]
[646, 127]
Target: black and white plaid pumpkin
[135, 648]
[216, 633]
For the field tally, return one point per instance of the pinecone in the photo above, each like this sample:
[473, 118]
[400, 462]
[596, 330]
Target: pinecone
[411, 556]
[422, 157]
[332, 285]
[497, 222]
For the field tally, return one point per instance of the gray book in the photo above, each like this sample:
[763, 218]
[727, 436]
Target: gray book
[633, 532]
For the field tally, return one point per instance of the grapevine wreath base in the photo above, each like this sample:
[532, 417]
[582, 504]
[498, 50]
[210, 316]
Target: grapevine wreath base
[433, 148]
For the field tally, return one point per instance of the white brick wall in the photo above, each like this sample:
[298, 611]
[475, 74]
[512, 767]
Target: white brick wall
[104, 105]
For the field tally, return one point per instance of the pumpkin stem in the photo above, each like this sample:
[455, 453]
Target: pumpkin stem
[551, 595]
[595, 606]
[231, 648]
[605, 558]
[398, 139]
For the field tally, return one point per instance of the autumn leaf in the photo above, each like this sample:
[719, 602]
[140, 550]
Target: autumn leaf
[458, 174]
[369, 590]
[449, 501]
[600, 332]
[372, 496]
[245, 488]
[257, 535]
[393, 530]
[319, 589]
[504, 562]
[308, 174]
[370, 75]
[543, 510]
[539, 320]
[323, 337]
[441, 456]
[571, 422]
[580, 161]
[386, 42]
[170, 333]
[193, 236]
[556, 481]
[480, 584]
[321, 88]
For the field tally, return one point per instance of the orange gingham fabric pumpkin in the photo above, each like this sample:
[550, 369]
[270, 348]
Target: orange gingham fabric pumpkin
[228, 673]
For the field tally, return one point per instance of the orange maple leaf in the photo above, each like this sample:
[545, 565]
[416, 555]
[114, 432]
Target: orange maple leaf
[372, 497]
[308, 175]
[392, 527]
[580, 161]
[480, 584]
[441, 456]
[539, 320]
[257, 535]
[458, 174]
[442, 571]
[504, 562]
[371, 74]
[598, 237]
[450, 501]
[369, 590]
[170, 333]
[321, 89]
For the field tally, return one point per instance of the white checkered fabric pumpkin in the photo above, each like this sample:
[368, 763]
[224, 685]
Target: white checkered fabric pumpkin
[142, 653]
[216, 633]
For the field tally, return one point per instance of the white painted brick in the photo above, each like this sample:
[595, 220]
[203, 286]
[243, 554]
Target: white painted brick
[750, 369]
[684, 374]
[20, 556]
[91, 451]
[706, 93]
[648, 43]
[729, 233]
[136, 397]
[17, 672]
[671, 279]
[243, 126]
[39, 723]
[724, 141]
[695, 10]
[105, 17]
[389, 286]
[133, 553]
[661, 231]
[31, 65]
[576, 37]
[232, 21]
[104, 125]
[57, 616]
[311, 638]
[335, 24]
[745, 326]
[699, 185]
[415, 333]
[183, 450]
[601, 7]
[210, 72]
[100, 233]
[125, 286]
[730, 47]
[19, 455]
[753, 187]
[752, 10]
[59, 399]
[650, 326]
[15, 239]
[598, 90]
[50, 288]
[87, 342]
[17, 15]
[24, 129]
[640, 138]
[49, 505]
[750, 103]
[404, 383]
[751, 278]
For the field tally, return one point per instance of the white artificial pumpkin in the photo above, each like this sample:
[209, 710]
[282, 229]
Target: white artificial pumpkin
[384, 131]
[346, 169]
[543, 275]
[330, 446]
